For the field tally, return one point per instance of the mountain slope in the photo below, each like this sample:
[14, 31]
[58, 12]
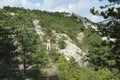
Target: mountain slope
[75, 31]
[72, 36]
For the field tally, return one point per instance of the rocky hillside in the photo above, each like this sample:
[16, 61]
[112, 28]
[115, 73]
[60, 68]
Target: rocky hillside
[72, 38]
[72, 33]
[70, 49]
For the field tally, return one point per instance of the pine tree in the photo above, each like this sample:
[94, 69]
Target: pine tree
[8, 65]
[111, 13]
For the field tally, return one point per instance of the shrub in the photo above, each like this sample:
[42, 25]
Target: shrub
[61, 44]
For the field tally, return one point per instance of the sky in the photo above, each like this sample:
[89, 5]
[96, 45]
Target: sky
[79, 7]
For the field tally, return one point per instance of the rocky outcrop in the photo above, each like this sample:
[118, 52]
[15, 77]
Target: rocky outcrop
[108, 39]
[80, 36]
[71, 49]
[38, 27]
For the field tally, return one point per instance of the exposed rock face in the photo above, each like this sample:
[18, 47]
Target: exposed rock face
[38, 27]
[72, 50]
[87, 23]
[108, 39]
[12, 14]
[80, 36]
[68, 14]
[104, 38]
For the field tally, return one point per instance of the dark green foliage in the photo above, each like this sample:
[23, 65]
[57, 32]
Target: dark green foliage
[54, 55]
[61, 43]
[8, 64]
[72, 71]
[48, 31]
[107, 54]
[19, 45]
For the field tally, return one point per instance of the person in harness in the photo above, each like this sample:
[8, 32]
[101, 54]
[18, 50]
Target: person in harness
[48, 43]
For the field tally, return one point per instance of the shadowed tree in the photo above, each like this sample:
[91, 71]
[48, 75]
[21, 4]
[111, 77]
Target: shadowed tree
[111, 54]
[8, 63]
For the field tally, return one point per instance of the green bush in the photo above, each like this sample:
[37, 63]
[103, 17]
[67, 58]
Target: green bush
[61, 44]
[54, 55]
